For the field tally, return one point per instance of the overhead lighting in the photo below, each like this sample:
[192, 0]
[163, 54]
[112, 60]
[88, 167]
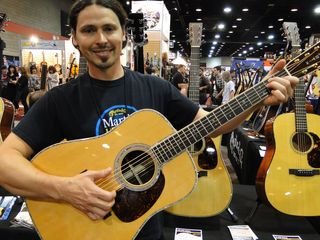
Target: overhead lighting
[259, 43]
[221, 26]
[245, 9]
[239, 19]
[128, 2]
[227, 9]
[250, 48]
[262, 32]
[317, 10]
[230, 31]
[198, 10]
[270, 26]
[256, 36]
[234, 26]
[176, 9]
[217, 36]
[244, 52]
[214, 43]
[34, 39]
[239, 54]
[280, 19]
[307, 27]
[270, 37]
[227, 36]
[294, 10]
[213, 47]
[199, 19]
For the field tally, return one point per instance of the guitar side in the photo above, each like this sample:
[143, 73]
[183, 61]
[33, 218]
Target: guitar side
[62, 221]
[6, 118]
[287, 192]
[214, 189]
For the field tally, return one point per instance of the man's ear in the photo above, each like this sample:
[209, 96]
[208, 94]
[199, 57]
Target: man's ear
[74, 41]
[124, 40]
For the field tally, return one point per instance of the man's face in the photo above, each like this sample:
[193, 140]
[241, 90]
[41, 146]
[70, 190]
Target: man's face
[4, 71]
[99, 36]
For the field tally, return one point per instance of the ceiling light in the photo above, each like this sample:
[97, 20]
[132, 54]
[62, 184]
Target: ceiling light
[128, 2]
[271, 36]
[244, 52]
[307, 27]
[280, 19]
[221, 26]
[317, 10]
[214, 43]
[227, 9]
[230, 31]
[270, 26]
[294, 10]
[198, 10]
[245, 9]
[250, 48]
[239, 54]
[256, 36]
[227, 36]
[259, 43]
[199, 19]
[217, 36]
[176, 9]
[262, 32]
[239, 19]
[234, 26]
[213, 47]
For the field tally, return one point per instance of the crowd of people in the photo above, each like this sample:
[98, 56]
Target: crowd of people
[17, 82]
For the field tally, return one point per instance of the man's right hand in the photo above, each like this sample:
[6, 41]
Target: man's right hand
[82, 193]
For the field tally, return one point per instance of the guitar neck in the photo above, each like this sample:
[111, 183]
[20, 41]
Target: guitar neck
[194, 74]
[300, 109]
[180, 141]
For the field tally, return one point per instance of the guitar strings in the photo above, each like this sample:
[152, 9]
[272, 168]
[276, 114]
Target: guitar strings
[143, 157]
[293, 62]
[141, 160]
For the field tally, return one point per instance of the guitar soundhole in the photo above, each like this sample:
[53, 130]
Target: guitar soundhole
[196, 148]
[301, 142]
[208, 159]
[137, 167]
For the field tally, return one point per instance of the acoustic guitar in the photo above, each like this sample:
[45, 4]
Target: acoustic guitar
[152, 169]
[289, 175]
[6, 118]
[214, 189]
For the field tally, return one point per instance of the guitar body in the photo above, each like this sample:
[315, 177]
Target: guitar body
[132, 208]
[214, 189]
[290, 193]
[6, 118]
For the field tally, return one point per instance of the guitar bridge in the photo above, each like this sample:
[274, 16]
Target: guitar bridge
[304, 172]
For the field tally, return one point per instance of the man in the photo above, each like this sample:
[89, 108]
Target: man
[87, 106]
[218, 84]
[3, 80]
[204, 87]
[179, 80]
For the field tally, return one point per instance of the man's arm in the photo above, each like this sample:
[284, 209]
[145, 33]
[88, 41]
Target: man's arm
[20, 177]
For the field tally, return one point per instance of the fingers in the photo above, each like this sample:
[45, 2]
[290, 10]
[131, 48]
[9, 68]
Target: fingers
[277, 67]
[96, 175]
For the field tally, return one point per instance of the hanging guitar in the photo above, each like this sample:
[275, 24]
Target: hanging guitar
[214, 189]
[6, 118]
[151, 171]
[136, 26]
[289, 175]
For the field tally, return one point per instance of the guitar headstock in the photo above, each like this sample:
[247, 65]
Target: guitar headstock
[3, 21]
[195, 34]
[306, 62]
[291, 32]
[136, 27]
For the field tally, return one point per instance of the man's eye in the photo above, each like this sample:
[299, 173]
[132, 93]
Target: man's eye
[88, 30]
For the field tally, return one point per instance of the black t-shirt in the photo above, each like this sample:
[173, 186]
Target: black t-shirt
[85, 107]
[177, 79]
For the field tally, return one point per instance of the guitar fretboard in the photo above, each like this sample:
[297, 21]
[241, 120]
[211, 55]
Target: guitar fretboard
[178, 142]
[300, 109]
[194, 75]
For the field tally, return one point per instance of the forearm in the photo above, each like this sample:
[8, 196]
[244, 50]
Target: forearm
[27, 180]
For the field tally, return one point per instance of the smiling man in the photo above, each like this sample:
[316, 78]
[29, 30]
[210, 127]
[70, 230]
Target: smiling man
[86, 107]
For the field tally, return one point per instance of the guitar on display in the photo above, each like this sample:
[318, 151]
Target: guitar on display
[289, 175]
[213, 192]
[152, 169]
[6, 118]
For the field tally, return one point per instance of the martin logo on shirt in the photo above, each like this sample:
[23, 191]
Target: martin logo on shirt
[112, 117]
